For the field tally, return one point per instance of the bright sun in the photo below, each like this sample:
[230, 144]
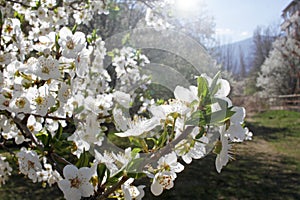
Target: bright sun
[185, 5]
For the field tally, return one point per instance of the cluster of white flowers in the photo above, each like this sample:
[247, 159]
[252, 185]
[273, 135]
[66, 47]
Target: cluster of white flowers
[154, 17]
[127, 62]
[57, 99]
[166, 174]
[30, 165]
[115, 162]
[5, 170]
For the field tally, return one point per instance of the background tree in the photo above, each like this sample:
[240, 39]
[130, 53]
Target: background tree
[242, 63]
[280, 72]
[263, 38]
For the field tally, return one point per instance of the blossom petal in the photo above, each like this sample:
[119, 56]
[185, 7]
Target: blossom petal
[151, 123]
[218, 164]
[64, 33]
[86, 189]
[70, 171]
[239, 115]
[156, 188]
[64, 185]
[171, 158]
[85, 174]
[186, 158]
[184, 94]
[225, 88]
[178, 167]
[236, 132]
[72, 194]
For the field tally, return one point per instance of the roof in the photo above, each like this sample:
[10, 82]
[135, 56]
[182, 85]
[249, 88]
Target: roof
[294, 2]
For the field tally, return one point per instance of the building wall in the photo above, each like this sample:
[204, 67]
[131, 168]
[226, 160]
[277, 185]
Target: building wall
[291, 17]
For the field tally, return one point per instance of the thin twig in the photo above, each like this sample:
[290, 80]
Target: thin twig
[54, 156]
[27, 132]
[53, 117]
[17, 2]
[167, 149]
[113, 188]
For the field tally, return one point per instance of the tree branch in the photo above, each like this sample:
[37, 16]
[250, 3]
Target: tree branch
[150, 159]
[113, 188]
[28, 133]
[167, 149]
[17, 2]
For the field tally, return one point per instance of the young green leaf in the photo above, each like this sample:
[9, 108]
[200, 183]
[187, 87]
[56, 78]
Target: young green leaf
[202, 88]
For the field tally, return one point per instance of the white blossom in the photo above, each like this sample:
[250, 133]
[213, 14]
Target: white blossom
[5, 170]
[222, 149]
[40, 98]
[162, 180]
[132, 192]
[76, 183]
[114, 161]
[70, 43]
[45, 68]
[167, 166]
[139, 126]
[29, 163]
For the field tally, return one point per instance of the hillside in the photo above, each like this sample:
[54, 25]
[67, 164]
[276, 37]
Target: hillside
[230, 55]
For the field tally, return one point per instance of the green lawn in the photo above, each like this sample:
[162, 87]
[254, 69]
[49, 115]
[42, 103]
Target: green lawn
[282, 130]
[266, 168]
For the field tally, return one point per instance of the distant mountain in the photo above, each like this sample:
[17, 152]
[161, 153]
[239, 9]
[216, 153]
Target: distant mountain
[231, 56]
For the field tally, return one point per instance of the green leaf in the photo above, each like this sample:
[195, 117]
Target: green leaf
[112, 181]
[21, 17]
[89, 40]
[214, 87]
[135, 151]
[201, 132]
[136, 175]
[57, 46]
[219, 116]
[135, 165]
[125, 39]
[44, 137]
[115, 179]
[74, 28]
[162, 139]
[111, 54]
[84, 160]
[1, 19]
[78, 110]
[101, 168]
[197, 119]
[38, 4]
[160, 101]
[135, 141]
[202, 88]
[59, 131]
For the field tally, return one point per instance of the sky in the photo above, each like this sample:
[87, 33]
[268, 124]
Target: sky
[237, 19]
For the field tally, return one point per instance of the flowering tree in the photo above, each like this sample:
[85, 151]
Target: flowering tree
[280, 73]
[57, 105]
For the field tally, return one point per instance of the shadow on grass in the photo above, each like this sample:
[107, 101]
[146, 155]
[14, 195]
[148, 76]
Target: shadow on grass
[19, 188]
[267, 133]
[258, 173]
[249, 177]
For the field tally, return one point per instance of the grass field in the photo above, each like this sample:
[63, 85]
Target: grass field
[266, 168]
